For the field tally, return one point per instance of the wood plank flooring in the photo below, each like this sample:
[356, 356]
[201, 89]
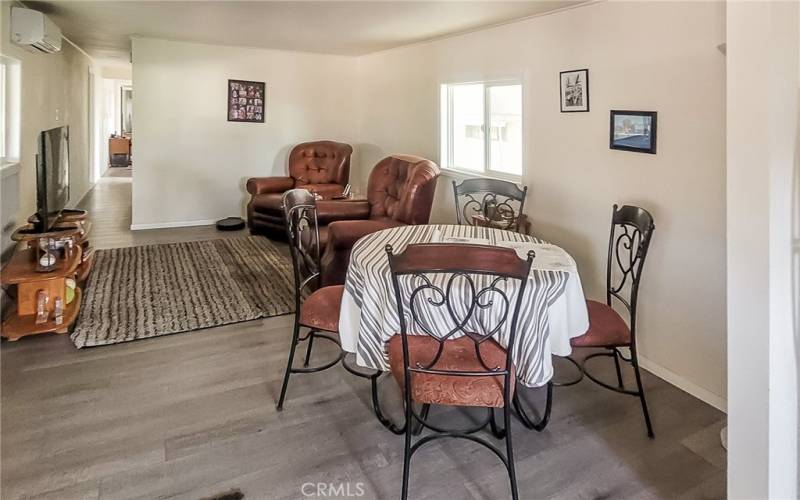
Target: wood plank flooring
[192, 415]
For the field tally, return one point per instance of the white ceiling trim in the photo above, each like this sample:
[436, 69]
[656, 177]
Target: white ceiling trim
[103, 29]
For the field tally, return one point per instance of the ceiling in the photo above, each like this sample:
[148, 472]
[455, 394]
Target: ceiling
[104, 28]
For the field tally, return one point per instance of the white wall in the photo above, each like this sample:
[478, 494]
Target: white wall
[54, 92]
[116, 70]
[637, 59]
[763, 113]
[191, 164]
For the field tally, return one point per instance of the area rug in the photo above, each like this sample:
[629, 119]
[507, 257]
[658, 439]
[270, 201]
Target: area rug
[140, 292]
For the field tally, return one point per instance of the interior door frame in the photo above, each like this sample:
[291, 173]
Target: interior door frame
[91, 123]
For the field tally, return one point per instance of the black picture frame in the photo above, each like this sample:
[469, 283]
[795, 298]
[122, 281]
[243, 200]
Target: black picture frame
[582, 79]
[632, 141]
[247, 101]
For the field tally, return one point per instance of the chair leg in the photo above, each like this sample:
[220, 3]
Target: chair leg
[496, 432]
[616, 365]
[308, 348]
[426, 408]
[407, 450]
[547, 409]
[295, 335]
[512, 473]
[523, 415]
[635, 363]
[376, 406]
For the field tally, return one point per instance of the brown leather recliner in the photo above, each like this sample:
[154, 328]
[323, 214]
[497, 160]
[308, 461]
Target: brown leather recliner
[321, 167]
[400, 192]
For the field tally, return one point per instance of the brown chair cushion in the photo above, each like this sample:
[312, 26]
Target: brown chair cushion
[606, 328]
[334, 210]
[260, 185]
[344, 234]
[401, 187]
[269, 203]
[272, 203]
[319, 166]
[323, 237]
[320, 310]
[320, 162]
[267, 210]
[459, 355]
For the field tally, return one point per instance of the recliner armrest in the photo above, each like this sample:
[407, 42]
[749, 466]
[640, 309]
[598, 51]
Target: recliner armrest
[329, 211]
[342, 235]
[260, 185]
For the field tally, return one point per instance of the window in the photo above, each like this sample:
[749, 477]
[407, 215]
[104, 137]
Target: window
[9, 110]
[3, 112]
[466, 145]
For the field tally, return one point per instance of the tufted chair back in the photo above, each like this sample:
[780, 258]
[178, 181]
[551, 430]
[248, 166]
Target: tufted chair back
[320, 162]
[401, 187]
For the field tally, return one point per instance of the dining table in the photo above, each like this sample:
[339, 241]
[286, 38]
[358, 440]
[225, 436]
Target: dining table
[552, 311]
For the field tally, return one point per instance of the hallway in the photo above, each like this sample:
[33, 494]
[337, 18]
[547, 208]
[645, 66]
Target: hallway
[109, 206]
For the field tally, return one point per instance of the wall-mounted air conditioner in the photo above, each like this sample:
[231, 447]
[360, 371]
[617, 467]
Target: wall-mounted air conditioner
[34, 31]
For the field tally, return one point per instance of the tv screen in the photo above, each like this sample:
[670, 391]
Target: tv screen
[52, 175]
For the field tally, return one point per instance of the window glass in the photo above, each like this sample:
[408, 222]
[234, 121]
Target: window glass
[467, 143]
[505, 116]
[467, 126]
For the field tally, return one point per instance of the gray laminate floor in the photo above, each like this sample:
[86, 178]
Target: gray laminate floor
[192, 415]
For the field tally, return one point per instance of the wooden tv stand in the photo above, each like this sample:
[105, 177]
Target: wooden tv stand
[21, 271]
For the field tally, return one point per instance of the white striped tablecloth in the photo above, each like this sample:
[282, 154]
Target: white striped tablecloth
[552, 312]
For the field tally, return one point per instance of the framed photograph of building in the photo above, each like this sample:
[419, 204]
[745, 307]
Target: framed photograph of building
[633, 131]
[574, 91]
[246, 101]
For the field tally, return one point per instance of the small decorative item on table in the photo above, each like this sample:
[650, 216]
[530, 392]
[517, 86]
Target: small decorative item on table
[346, 193]
[520, 224]
[46, 249]
[42, 299]
[633, 131]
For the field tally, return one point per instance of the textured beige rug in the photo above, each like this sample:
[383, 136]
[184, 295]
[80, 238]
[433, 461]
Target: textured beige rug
[140, 292]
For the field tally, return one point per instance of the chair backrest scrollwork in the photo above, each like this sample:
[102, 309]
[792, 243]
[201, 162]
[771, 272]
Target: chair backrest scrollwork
[631, 231]
[453, 291]
[499, 203]
[302, 231]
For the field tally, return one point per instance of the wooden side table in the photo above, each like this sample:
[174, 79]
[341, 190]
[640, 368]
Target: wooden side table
[21, 271]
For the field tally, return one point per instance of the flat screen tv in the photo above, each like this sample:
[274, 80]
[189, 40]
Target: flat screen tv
[52, 175]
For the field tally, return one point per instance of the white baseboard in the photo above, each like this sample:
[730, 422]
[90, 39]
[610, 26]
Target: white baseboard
[167, 225]
[685, 385]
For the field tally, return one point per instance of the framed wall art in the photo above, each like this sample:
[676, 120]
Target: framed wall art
[633, 131]
[574, 90]
[246, 101]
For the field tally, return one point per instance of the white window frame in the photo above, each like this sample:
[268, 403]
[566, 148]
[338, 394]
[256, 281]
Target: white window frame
[446, 130]
[3, 111]
[10, 97]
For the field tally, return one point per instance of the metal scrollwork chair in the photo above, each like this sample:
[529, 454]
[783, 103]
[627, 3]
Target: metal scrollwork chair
[315, 308]
[490, 202]
[631, 231]
[455, 304]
